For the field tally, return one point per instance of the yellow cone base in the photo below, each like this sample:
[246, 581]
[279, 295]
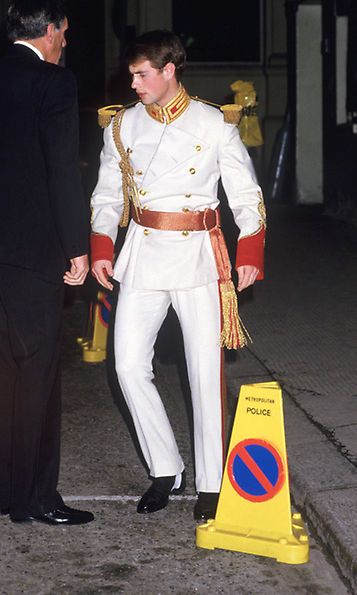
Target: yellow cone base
[289, 549]
[92, 354]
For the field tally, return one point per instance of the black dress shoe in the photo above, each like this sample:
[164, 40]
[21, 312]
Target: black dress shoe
[206, 506]
[63, 515]
[157, 496]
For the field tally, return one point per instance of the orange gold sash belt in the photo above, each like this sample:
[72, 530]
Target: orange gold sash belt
[232, 335]
[184, 221]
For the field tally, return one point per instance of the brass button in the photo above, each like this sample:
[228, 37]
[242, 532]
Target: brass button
[185, 233]
[198, 147]
[188, 195]
[146, 232]
[192, 170]
[142, 192]
[186, 210]
[139, 172]
[129, 150]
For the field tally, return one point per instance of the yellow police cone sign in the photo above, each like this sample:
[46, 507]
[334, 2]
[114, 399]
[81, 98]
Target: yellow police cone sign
[254, 513]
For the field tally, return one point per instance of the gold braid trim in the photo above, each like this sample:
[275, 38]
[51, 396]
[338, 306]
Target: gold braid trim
[234, 335]
[232, 112]
[130, 191]
[172, 110]
[106, 113]
[262, 211]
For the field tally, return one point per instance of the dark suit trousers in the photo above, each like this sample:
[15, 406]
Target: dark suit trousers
[30, 399]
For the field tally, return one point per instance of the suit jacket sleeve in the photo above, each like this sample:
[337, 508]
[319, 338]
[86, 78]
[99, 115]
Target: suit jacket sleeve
[59, 140]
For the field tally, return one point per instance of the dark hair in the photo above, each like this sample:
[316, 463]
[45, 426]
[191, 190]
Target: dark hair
[28, 19]
[159, 47]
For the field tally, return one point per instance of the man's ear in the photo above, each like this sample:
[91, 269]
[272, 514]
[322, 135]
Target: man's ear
[169, 70]
[50, 33]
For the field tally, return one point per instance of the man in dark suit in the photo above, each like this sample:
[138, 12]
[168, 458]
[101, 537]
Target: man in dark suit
[43, 242]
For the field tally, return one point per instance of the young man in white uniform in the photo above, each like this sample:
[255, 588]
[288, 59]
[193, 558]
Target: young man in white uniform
[172, 152]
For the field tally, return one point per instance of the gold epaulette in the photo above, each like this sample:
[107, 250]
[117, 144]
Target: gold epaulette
[232, 112]
[105, 114]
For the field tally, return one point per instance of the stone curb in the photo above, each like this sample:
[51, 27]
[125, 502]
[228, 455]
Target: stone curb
[323, 486]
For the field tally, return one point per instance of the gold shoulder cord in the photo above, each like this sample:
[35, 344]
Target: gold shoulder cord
[130, 191]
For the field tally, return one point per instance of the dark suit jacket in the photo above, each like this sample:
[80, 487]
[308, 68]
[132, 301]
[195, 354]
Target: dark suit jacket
[43, 217]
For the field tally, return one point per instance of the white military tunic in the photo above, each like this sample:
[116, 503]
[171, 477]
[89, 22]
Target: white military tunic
[177, 167]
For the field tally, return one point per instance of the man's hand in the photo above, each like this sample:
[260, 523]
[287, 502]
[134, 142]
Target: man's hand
[246, 276]
[78, 271]
[101, 270]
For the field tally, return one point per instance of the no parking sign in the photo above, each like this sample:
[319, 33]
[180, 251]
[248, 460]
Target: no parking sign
[255, 470]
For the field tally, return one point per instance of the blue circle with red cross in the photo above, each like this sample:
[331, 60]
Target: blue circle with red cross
[256, 470]
[104, 310]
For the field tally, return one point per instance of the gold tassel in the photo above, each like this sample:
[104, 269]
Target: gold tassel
[234, 335]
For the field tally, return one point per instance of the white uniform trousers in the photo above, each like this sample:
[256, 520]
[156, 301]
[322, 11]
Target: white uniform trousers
[139, 316]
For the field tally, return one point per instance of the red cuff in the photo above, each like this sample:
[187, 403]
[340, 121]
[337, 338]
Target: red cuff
[250, 250]
[102, 247]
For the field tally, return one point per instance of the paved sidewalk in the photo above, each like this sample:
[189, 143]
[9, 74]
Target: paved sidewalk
[303, 320]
